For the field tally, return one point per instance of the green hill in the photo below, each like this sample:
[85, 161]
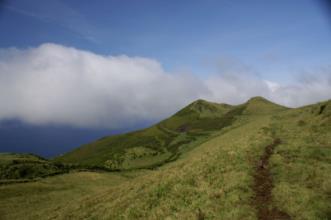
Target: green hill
[257, 160]
[154, 145]
[260, 105]
[166, 140]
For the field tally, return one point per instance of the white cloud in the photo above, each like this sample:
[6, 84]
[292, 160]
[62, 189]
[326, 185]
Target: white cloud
[237, 87]
[62, 85]
[273, 86]
[310, 88]
[56, 84]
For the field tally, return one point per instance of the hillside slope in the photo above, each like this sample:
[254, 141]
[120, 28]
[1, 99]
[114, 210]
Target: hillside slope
[166, 140]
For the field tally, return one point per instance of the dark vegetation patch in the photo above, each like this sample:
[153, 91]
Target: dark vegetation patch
[301, 123]
[183, 128]
[322, 107]
[27, 166]
[200, 215]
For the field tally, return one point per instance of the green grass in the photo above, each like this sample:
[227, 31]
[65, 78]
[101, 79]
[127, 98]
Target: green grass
[51, 196]
[301, 165]
[211, 172]
[213, 177]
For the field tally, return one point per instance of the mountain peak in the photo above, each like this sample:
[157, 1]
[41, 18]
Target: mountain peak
[204, 108]
[261, 105]
[258, 99]
[201, 103]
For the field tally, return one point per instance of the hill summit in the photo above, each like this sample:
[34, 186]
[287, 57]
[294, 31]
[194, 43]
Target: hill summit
[260, 105]
[203, 106]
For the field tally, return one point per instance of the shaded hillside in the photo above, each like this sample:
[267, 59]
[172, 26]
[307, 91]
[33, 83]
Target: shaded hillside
[166, 140]
[26, 166]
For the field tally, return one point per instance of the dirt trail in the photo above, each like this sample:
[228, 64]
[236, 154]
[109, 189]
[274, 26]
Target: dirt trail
[263, 187]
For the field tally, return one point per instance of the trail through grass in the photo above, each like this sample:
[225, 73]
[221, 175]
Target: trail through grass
[263, 187]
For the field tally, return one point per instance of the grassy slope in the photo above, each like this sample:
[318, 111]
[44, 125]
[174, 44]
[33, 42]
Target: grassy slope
[155, 145]
[212, 180]
[214, 177]
[49, 197]
[301, 165]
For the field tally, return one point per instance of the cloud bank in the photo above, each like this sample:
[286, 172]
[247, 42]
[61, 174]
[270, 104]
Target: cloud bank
[54, 84]
[57, 84]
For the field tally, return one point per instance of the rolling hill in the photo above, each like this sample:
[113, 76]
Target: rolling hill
[166, 140]
[257, 160]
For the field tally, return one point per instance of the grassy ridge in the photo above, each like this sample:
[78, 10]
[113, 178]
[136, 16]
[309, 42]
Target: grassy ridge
[158, 144]
[212, 178]
[166, 140]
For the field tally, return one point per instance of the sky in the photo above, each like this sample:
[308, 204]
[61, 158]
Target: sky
[92, 69]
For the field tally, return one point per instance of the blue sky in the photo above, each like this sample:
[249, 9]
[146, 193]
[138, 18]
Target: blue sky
[72, 71]
[277, 38]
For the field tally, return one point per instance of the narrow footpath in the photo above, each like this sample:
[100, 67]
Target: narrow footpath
[263, 188]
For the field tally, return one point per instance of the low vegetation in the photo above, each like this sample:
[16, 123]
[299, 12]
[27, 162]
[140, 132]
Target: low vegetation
[201, 163]
[301, 165]
[25, 167]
